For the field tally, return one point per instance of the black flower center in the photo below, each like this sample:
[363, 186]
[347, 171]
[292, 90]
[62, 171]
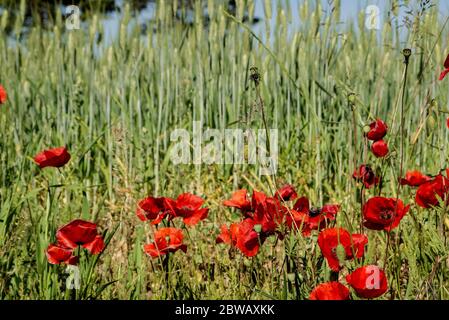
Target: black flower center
[386, 214]
[314, 212]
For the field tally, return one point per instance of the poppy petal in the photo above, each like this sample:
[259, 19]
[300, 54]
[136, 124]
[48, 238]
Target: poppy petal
[443, 74]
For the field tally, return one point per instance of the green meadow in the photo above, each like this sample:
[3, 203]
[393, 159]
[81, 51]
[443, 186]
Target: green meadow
[115, 105]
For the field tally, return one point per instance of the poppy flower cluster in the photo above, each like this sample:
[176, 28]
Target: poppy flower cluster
[368, 282]
[186, 206]
[78, 233]
[56, 157]
[377, 131]
[305, 218]
[264, 216]
[156, 210]
[431, 190]
[338, 245]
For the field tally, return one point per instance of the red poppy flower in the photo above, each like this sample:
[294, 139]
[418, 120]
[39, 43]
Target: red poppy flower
[330, 291]
[188, 206]
[228, 235]
[258, 198]
[57, 254]
[248, 239]
[242, 236]
[447, 123]
[286, 193]
[379, 148]
[269, 214]
[3, 95]
[378, 130]
[415, 178]
[302, 205]
[330, 239]
[152, 209]
[383, 213]
[368, 282]
[96, 246]
[56, 157]
[239, 200]
[306, 219]
[446, 69]
[366, 175]
[80, 233]
[165, 240]
[359, 242]
[426, 195]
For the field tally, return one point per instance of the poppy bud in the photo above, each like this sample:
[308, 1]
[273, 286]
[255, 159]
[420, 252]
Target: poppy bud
[366, 129]
[351, 97]
[430, 122]
[434, 104]
[341, 253]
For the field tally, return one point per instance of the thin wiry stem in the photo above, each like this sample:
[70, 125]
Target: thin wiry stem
[407, 54]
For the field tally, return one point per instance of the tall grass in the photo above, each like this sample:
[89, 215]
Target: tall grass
[115, 108]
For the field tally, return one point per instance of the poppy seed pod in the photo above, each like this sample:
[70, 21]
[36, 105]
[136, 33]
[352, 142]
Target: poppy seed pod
[351, 98]
[407, 53]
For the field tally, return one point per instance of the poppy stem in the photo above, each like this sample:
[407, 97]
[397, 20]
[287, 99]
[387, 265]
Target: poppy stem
[166, 266]
[407, 53]
[334, 276]
[255, 77]
[351, 101]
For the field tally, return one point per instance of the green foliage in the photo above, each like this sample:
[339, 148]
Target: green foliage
[115, 106]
